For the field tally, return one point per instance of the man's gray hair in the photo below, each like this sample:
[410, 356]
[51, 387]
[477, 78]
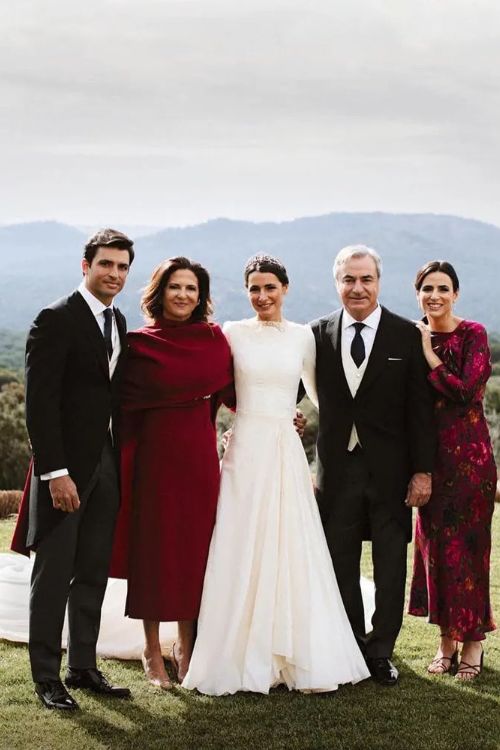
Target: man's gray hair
[356, 251]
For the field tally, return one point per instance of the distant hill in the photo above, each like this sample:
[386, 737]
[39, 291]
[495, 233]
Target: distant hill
[40, 262]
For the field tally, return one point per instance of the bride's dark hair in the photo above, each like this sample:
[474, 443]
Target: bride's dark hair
[266, 264]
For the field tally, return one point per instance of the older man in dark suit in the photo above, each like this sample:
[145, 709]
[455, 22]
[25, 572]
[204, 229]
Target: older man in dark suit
[376, 446]
[74, 356]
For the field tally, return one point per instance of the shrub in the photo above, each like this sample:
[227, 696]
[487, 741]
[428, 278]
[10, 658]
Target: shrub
[9, 502]
[14, 444]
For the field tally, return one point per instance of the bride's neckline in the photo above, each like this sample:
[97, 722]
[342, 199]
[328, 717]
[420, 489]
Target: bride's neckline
[279, 325]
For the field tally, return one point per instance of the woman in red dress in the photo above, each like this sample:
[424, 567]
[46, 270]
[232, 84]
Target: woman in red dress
[177, 366]
[453, 534]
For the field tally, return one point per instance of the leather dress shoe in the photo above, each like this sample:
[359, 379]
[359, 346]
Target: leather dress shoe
[53, 694]
[94, 680]
[383, 671]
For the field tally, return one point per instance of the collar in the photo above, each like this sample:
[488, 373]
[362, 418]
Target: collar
[96, 306]
[371, 321]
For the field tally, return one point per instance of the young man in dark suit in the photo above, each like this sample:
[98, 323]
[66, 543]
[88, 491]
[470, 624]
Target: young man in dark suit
[74, 357]
[376, 446]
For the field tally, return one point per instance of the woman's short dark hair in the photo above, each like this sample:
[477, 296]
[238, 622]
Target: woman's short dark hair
[266, 264]
[152, 297]
[436, 266]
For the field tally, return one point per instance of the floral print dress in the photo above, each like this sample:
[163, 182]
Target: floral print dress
[453, 532]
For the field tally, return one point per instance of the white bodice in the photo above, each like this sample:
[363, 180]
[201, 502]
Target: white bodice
[269, 362]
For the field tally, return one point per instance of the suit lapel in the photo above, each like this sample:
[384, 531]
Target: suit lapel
[90, 327]
[332, 331]
[122, 330]
[334, 335]
[378, 356]
[122, 334]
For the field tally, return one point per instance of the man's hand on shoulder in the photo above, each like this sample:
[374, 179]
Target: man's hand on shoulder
[64, 494]
[419, 490]
[226, 437]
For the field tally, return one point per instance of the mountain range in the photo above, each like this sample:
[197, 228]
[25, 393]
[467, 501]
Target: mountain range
[40, 261]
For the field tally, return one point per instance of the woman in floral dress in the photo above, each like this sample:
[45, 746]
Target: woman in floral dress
[453, 534]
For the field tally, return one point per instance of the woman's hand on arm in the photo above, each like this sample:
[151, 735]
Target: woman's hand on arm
[430, 355]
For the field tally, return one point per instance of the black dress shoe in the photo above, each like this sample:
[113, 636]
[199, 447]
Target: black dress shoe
[92, 679]
[383, 671]
[53, 694]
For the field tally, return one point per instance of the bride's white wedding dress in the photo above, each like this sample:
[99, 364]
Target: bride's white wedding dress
[271, 610]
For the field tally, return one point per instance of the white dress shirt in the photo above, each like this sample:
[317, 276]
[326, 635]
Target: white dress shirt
[353, 374]
[97, 308]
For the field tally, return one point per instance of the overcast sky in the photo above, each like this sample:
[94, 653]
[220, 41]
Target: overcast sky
[170, 113]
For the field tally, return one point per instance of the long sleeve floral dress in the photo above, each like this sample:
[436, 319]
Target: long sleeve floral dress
[453, 532]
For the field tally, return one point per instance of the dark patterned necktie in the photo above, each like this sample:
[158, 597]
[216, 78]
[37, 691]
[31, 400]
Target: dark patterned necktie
[108, 327]
[358, 345]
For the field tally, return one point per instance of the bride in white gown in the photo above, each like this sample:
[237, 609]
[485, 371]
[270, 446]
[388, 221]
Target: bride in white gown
[271, 610]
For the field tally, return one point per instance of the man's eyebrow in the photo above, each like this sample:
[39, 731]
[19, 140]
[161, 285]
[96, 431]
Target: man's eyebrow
[347, 276]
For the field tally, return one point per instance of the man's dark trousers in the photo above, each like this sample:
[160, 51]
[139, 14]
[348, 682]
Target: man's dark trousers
[357, 510]
[71, 565]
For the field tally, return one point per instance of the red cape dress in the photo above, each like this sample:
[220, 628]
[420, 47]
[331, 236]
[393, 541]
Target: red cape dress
[170, 468]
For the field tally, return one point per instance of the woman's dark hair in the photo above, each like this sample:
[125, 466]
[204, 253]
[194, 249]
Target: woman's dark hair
[434, 266]
[266, 264]
[152, 297]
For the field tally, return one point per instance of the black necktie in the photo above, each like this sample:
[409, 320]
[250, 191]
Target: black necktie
[358, 345]
[108, 327]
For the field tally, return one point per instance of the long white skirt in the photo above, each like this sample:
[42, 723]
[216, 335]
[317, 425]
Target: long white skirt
[271, 609]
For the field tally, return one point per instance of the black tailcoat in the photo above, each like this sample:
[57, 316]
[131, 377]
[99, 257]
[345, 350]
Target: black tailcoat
[70, 399]
[392, 411]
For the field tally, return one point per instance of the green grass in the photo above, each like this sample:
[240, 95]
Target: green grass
[421, 712]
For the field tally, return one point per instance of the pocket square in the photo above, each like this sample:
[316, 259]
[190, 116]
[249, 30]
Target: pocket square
[394, 359]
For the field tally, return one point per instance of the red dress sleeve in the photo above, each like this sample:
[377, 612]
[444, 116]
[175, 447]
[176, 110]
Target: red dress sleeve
[463, 386]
